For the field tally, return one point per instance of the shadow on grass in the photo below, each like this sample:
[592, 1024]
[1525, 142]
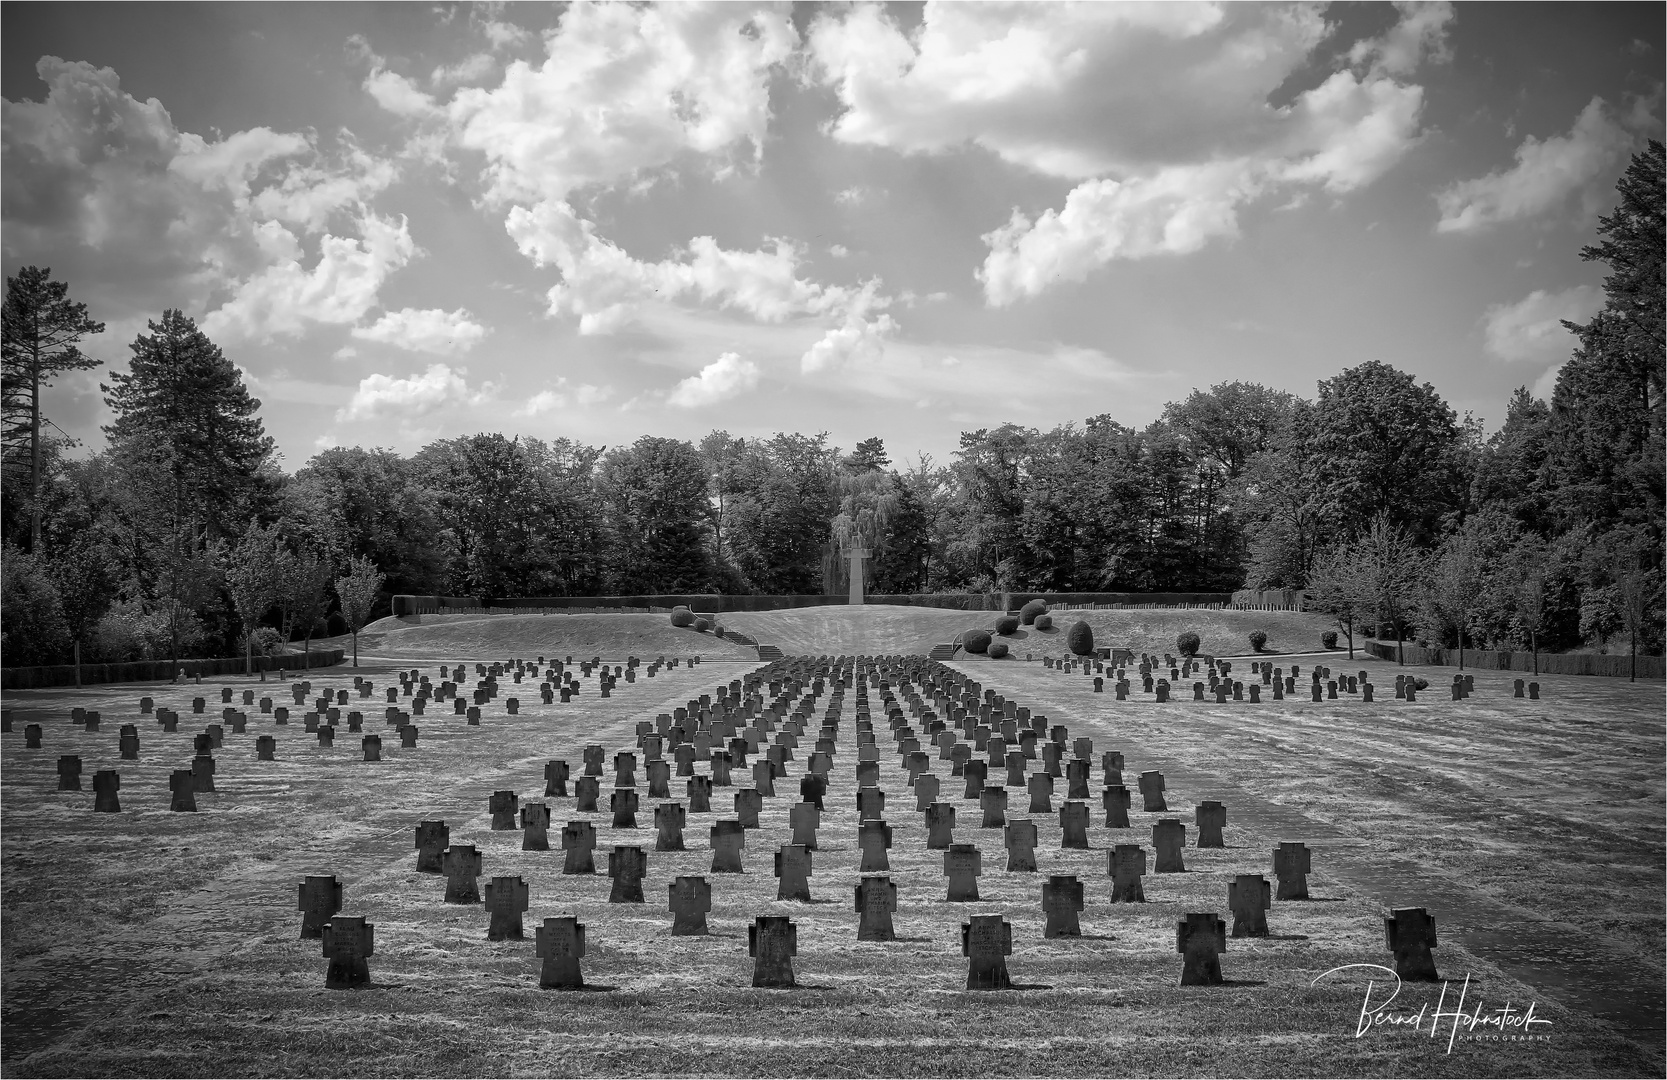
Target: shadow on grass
[1278, 937]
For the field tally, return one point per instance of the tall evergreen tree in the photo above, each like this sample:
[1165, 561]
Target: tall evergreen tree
[182, 392]
[40, 331]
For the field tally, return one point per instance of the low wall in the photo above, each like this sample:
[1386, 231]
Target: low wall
[1649, 667]
[29, 678]
[1014, 600]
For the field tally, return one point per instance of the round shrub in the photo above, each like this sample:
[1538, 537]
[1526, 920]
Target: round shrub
[1043, 621]
[682, 616]
[1007, 624]
[1031, 610]
[997, 650]
[977, 641]
[1257, 640]
[1421, 684]
[1187, 643]
[1329, 639]
[1080, 638]
[717, 631]
[702, 625]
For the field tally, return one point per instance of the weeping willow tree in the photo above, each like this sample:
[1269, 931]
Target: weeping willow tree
[868, 499]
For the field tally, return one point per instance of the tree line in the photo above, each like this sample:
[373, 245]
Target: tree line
[181, 536]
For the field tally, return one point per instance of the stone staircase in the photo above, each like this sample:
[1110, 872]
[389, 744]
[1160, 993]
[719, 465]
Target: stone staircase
[768, 652]
[944, 650]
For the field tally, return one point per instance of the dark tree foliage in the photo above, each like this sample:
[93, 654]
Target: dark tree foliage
[655, 491]
[40, 332]
[182, 393]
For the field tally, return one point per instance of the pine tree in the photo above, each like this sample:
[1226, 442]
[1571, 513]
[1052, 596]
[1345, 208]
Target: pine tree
[40, 327]
[182, 392]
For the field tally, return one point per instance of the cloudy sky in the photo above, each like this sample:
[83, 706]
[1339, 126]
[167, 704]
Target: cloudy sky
[409, 221]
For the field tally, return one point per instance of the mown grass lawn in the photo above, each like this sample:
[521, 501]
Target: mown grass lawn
[158, 943]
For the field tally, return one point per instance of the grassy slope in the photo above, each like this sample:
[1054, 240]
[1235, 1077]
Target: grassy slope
[185, 961]
[868, 630]
[611, 636]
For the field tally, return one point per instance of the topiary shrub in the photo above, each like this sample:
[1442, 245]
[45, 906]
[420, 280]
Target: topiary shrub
[997, 650]
[1329, 639]
[717, 631]
[702, 625]
[977, 641]
[1030, 611]
[1043, 621]
[1080, 638]
[1257, 640]
[1187, 643]
[1007, 624]
[682, 616]
[1421, 684]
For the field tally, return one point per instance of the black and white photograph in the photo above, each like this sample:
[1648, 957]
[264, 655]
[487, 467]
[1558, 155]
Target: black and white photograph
[736, 539]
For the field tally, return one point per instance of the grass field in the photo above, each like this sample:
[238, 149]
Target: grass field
[158, 943]
[610, 636]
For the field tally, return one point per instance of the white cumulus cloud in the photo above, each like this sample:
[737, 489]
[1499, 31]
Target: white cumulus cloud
[284, 297]
[416, 395]
[723, 378]
[1531, 330]
[1546, 173]
[1161, 111]
[562, 396]
[624, 88]
[430, 330]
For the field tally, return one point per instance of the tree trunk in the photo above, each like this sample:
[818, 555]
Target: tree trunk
[1349, 629]
[1400, 648]
[248, 652]
[35, 448]
[1461, 646]
[77, 661]
[1534, 645]
[355, 648]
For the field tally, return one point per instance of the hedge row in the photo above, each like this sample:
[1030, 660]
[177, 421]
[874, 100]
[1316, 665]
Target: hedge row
[405, 604]
[1649, 667]
[28, 678]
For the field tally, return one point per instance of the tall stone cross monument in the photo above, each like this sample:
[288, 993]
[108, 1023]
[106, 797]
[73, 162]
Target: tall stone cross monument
[856, 555]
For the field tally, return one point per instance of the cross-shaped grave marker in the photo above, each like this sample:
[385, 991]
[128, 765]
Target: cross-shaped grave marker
[986, 942]
[1126, 863]
[794, 870]
[690, 899]
[560, 942]
[728, 838]
[1249, 897]
[627, 866]
[1061, 900]
[1291, 863]
[506, 899]
[962, 865]
[349, 942]
[1201, 938]
[319, 899]
[772, 942]
[1410, 935]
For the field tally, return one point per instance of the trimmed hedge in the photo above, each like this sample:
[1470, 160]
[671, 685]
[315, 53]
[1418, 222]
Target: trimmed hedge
[1601, 664]
[1007, 624]
[1329, 639]
[1257, 640]
[28, 678]
[1187, 644]
[682, 616]
[405, 604]
[1043, 621]
[1080, 638]
[702, 626]
[997, 650]
[1031, 610]
[976, 642]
